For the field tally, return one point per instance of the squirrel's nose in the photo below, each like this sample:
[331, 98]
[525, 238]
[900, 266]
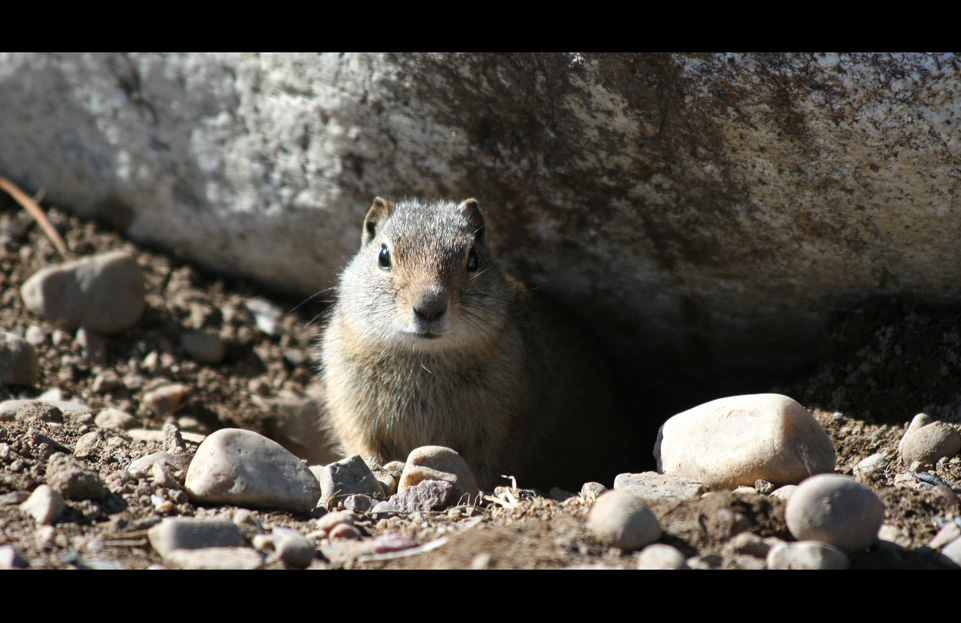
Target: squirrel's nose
[430, 304]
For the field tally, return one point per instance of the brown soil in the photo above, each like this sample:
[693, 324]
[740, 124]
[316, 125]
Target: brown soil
[884, 362]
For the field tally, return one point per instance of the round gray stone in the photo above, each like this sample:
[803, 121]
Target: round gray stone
[104, 293]
[929, 442]
[623, 520]
[293, 548]
[837, 510]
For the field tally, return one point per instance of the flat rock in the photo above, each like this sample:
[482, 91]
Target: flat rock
[187, 533]
[653, 487]
[426, 495]
[439, 463]
[43, 411]
[234, 466]
[927, 441]
[114, 419]
[87, 444]
[18, 360]
[738, 440]
[9, 408]
[45, 505]
[623, 520]
[837, 510]
[809, 555]
[104, 293]
[215, 558]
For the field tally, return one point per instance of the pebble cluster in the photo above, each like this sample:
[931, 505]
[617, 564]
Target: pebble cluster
[759, 446]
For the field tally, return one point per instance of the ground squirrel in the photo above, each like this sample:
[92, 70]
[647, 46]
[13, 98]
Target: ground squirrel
[429, 343]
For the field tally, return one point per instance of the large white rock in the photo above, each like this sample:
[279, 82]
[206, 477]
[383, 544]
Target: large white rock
[240, 467]
[713, 207]
[738, 440]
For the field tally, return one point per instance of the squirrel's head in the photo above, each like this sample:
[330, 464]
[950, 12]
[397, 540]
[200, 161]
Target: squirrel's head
[424, 278]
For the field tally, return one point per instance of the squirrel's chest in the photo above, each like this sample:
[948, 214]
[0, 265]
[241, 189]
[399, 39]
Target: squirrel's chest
[426, 401]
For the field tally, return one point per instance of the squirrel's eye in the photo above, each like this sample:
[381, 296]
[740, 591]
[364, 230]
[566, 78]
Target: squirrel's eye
[472, 260]
[383, 260]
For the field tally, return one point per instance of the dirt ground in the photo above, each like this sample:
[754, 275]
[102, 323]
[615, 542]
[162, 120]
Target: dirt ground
[885, 361]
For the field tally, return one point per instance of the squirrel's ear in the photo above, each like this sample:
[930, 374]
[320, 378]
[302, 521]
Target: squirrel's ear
[471, 208]
[379, 211]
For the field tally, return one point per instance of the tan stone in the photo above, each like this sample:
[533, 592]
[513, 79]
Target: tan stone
[738, 440]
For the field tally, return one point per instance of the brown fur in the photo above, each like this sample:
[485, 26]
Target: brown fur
[427, 351]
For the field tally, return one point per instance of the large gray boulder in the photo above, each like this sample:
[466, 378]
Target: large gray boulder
[704, 213]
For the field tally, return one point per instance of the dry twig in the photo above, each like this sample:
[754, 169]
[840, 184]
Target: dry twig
[36, 212]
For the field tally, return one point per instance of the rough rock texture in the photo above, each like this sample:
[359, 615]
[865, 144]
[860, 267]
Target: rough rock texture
[709, 206]
[347, 477]
[652, 487]
[740, 439]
